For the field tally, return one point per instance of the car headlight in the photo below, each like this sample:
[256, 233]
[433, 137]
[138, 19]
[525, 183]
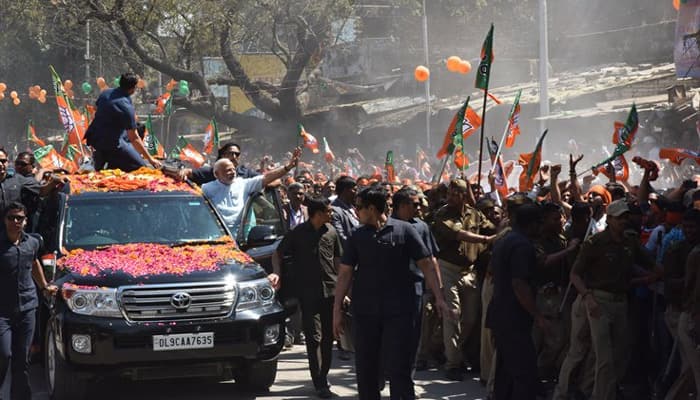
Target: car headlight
[253, 294]
[91, 300]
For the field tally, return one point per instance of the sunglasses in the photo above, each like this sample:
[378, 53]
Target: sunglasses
[22, 164]
[15, 218]
[3, 160]
[416, 205]
[233, 153]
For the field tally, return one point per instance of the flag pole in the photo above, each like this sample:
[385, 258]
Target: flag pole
[500, 145]
[438, 176]
[481, 135]
[505, 131]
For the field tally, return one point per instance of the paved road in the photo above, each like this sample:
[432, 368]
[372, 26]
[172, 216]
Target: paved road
[293, 382]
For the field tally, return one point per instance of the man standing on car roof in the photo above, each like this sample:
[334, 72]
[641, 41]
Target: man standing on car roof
[18, 297]
[113, 132]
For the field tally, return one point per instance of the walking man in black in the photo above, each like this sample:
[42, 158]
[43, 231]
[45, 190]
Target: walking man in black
[512, 310]
[315, 250]
[376, 262]
[18, 298]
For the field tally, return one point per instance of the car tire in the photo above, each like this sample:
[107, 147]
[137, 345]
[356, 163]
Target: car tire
[258, 375]
[61, 380]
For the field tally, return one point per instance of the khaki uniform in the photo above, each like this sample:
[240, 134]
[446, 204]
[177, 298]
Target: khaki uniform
[606, 267]
[551, 285]
[456, 260]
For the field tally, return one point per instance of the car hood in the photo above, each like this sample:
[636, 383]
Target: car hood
[237, 271]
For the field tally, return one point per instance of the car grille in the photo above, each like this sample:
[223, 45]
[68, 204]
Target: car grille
[156, 302]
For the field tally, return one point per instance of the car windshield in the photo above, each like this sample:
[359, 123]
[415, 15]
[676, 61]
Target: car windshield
[90, 223]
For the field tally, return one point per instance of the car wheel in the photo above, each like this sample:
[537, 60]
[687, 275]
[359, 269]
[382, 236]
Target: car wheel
[62, 382]
[258, 375]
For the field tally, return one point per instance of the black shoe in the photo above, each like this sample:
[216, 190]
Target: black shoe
[454, 374]
[421, 365]
[325, 393]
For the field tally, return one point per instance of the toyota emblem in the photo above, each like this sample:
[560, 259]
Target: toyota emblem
[181, 300]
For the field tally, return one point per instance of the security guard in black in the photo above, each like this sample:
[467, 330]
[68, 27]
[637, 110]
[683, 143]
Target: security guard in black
[18, 298]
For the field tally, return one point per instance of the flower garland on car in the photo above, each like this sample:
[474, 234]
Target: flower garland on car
[143, 259]
[116, 180]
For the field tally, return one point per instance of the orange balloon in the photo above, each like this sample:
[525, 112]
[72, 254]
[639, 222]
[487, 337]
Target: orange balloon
[677, 4]
[32, 94]
[3, 87]
[100, 81]
[16, 102]
[68, 84]
[171, 85]
[13, 94]
[42, 92]
[2, 95]
[42, 99]
[453, 63]
[141, 84]
[70, 93]
[464, 67]
[421, 73]
[36, 88]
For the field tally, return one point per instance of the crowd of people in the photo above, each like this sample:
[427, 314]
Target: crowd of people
[578, 289]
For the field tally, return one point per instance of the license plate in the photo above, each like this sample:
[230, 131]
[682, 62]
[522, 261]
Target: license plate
[183, 341]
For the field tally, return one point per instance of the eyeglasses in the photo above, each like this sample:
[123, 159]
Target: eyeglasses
[15, 218]
[3, 160]
[22, 164]
[416, 205]
[233, 153]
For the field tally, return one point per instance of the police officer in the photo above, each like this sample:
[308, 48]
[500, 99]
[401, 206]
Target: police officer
[113, 131]
[602, 274]
[462, 232]
[551, 279]
[18, 297]
[376, 262]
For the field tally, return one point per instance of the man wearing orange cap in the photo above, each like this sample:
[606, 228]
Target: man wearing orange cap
[599, 198]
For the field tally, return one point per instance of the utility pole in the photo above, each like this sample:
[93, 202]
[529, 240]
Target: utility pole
[544, 64]
[87, 51]
[427, 82]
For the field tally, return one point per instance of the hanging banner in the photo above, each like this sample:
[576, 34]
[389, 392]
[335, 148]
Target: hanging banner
[686, 49]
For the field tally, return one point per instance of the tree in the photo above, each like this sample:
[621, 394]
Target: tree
[172, 37]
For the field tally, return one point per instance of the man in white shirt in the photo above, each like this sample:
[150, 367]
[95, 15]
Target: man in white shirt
[229, 193]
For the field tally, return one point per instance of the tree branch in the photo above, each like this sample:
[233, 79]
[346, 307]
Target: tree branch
[251, 90]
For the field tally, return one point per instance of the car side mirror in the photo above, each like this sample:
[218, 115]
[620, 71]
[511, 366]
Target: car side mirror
[261, 235]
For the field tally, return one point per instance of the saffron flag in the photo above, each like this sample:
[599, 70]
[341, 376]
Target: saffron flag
[624, 133]
[327, 152]
[32, 137]
[186, 152]
[389, 166]
[461, 160]
[164, 104]
[73, 155]
[484, 70]
[452, 139]
[513, 121]
[531, 164]
[211, 137]
[472, 122]
[677, 156]
[72, 120]
[49, 158]
[498, 170]
[310, 141]
[620, 171]
[151, 141]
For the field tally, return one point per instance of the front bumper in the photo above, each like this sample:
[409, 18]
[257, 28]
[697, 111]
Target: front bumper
[121, 345]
